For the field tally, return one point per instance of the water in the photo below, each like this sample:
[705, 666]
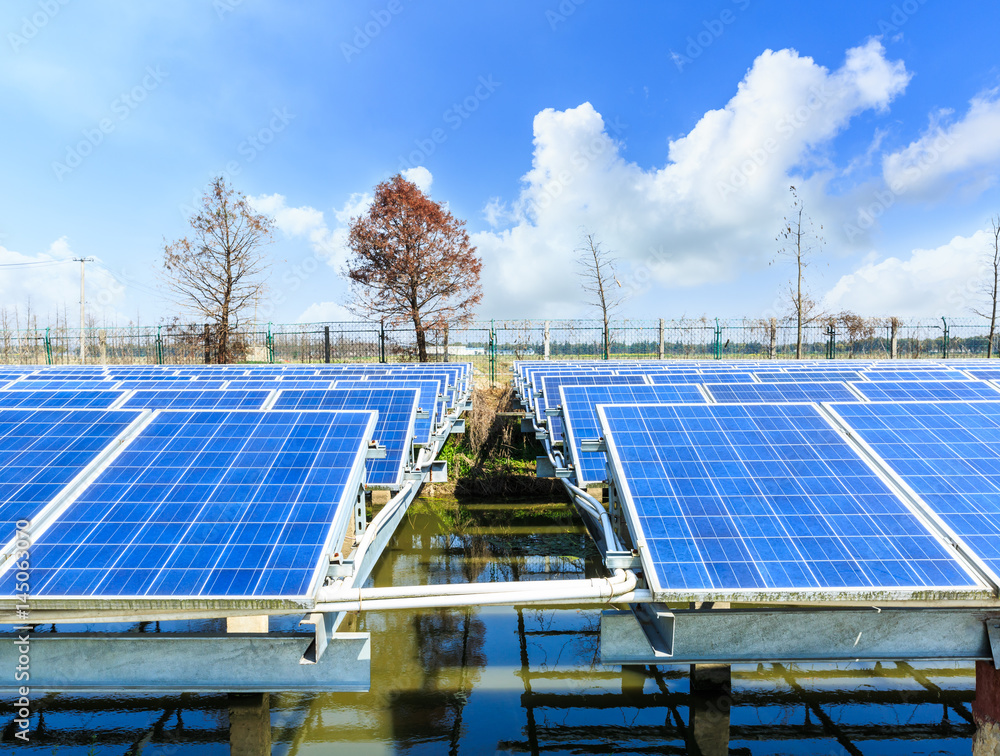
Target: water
[509, 681]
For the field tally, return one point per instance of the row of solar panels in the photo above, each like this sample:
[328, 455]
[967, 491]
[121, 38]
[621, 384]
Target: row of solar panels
[179, 494]
[760, 499]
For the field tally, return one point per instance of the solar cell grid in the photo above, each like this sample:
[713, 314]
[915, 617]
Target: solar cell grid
[428, 402]
[29, 384]
[580, 418]
[59, 399]
[209, 504]
[194, 399]
[798, 376]
[906, 391]
[767, 500]
[750, 393]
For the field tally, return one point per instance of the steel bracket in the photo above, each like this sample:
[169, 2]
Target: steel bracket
[593, 445]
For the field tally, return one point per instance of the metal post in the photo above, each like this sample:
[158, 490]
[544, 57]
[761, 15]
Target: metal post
[270, 344]
[83, 320]
[493, 353]
[48, 348]
[381, 342]
[893, 338]
[659, 349]
[208, 348]
[546, 346]
[944, 339]
[102, 341]
[446, 343]
[326, 343]
[831, 343]
[158, 350]
[772, 349]
[717, 346]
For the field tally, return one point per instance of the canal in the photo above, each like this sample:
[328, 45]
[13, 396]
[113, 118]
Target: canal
[509, 680]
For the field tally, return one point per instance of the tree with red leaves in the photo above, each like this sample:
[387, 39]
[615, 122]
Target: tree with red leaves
[411, 260]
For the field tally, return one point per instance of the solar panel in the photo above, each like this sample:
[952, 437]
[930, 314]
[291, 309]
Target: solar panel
[206, 504]
[768, 501]
[750, 393]
[397, 410]
[984, 374]
[171, 398]
[59, 399]
[797, 376]
[30, 384]
[914, 375]
[716, 376]
[580, 418]
[253, 383]
[949, 454]
[428, 403]
[42, 451]
[550, 393]
[905, 391]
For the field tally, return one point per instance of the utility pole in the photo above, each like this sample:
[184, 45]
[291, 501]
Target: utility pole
[83, 341]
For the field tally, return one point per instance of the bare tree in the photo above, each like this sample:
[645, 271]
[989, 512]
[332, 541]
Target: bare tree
[220, 270]
[599, 280]
[991, 286]
[800, 242]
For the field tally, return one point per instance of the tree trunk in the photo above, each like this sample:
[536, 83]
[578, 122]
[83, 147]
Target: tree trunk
[418, 328]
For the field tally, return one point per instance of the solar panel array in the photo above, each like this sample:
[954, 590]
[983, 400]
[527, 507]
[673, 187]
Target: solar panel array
[836, 480]
[180, 483]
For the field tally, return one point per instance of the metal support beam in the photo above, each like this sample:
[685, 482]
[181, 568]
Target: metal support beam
[216, 662]
[729, 636]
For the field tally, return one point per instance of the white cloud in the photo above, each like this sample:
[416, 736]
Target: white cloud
[966, 151]
[941, 281]
[326, 312]
[419, 176]
[47, 285]
[708, 215]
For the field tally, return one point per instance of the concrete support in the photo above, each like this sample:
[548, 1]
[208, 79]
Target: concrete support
[249, 724]
[986, 710]
[255, 624]
[380, 499]
[597, 492]
[659, 349]
[545, 342]
[102, 341]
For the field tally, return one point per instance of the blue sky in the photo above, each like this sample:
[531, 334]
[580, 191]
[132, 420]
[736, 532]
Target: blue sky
[671, 131]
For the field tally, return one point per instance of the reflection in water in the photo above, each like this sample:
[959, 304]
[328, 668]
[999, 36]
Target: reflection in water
[503, 680]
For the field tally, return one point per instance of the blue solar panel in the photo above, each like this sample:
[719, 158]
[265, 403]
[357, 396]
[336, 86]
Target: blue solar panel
[59, 399]
[30, 384]
[914, 375]
[904, 391]
[172, 398]
[397, 409]
[800, 376]
[767, 499]
[949, 454]
[210, 504]
[41, 451]
[984, 374]
[429, 402]
[580, 418]
[289, 383]
[550, 392]
[715, 376]
[748, 393]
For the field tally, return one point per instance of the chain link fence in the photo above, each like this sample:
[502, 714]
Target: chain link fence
[492, 346]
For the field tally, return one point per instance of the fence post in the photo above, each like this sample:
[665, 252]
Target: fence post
[659, 348]
[493, 353]
[381, 342]
[944, 339]
[717, 345]
[48, 348]
[446, 343]
[102, 343]
[326, 343]
[545, 341]
[893, 338]
[269, 344]
[772, 347]
[831, 344]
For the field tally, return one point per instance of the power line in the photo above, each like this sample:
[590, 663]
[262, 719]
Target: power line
[38, 264]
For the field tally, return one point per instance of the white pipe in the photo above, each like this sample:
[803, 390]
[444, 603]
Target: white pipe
[340, 592]
[604, 592]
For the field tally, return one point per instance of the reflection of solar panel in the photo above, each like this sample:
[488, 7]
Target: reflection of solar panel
[429, 401]
[949, 454]
[914, 375]
[767, 499]
[749, 393]
[59, 399]
[192, 399]
[41, 451]
[580, 418]
[397, 410]
[902, 391]
[800, 376]
[209, 504]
